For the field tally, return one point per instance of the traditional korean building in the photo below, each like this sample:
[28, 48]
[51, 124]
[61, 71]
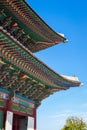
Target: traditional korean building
[24, 79]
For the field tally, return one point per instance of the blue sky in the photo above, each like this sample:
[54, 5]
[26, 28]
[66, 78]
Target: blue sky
[68, 17]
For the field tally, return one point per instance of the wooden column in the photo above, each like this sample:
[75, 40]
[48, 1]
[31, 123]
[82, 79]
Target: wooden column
[35, 119]
[1, 119]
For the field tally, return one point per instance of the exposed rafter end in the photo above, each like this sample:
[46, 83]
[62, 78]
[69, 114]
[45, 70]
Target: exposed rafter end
[66, 40]
[81, 84]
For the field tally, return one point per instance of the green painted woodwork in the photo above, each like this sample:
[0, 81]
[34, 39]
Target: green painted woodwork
[2, 15]
[27, 55]
[4, 90]
[27, 99]
[20, 108]
[22, 60]
[2, 103]
[33, 59]
[27, 30]
[1, 119]
[38, 34]
[43, 81]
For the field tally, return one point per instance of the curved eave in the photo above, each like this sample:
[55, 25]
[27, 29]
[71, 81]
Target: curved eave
[72, 79]
[24, 13]
[31, 79]
[13, 51]
[45, 25]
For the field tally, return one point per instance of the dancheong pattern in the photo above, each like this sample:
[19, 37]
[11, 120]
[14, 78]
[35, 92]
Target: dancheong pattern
[24, 79]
